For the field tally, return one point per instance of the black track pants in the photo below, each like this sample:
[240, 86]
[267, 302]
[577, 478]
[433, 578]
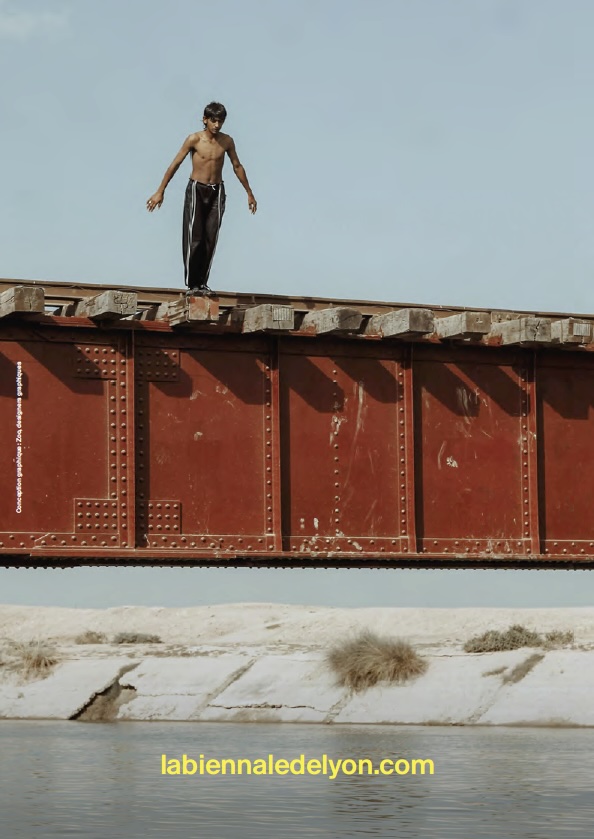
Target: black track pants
[204, 206]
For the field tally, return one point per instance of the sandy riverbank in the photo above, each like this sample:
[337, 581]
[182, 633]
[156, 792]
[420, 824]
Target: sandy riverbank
[266, 662]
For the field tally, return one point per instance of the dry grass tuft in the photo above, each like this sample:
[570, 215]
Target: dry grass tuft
[136, 638]
[497, 672]
[522, 669]
[558, 639]
[366, 660]
[515, 637]
[90, 637]
[5, 658]
[30, 659]
[512, 639]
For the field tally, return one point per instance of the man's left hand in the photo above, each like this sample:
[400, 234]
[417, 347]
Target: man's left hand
[252, 205]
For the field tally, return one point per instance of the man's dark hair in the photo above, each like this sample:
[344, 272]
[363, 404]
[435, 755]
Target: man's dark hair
[215, 111]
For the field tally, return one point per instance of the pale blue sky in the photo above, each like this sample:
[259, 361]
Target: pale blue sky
[431, 151]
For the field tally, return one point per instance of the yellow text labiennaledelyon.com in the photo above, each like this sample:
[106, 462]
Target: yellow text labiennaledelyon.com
[299, 765]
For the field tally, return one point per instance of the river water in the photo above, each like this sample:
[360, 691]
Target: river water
[100, 780]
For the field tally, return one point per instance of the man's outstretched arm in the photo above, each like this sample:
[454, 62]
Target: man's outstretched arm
[156, 200]
[240, 172]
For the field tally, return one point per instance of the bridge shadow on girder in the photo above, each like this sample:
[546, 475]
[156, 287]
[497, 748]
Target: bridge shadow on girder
[238, 379]
[455, 393]
[315, 388]
[8, 372]
[381, 384]
[569, 391]
[60, 364]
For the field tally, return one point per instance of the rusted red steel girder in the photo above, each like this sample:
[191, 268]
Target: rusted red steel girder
[127, 440]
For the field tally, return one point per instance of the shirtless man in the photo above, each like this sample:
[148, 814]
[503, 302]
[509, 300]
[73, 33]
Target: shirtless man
[204, 202]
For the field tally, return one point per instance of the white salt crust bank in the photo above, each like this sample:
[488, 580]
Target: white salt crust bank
[265, 663]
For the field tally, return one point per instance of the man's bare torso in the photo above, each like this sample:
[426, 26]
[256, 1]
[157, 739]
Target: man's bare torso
[207, 149]
[208, 157]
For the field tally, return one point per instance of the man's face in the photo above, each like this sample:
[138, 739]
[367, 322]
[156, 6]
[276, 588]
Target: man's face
[213, 124]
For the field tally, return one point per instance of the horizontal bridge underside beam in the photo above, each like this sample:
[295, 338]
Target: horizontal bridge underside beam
[372, 563]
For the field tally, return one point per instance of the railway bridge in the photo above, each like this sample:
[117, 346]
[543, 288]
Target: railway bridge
[141, 427]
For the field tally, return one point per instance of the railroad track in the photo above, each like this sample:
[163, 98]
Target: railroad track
[166, 308]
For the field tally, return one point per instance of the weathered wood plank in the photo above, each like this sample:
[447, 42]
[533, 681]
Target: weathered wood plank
[463, 325]
[155, 312]
[24, 299]
[108, 305]
[528, 330]
[335, 319]
[402, 323]
[571, 331]
[193, 310]
[268, 317]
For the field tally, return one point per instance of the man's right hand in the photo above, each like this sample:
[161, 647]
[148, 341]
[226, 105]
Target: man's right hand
[155, 201]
